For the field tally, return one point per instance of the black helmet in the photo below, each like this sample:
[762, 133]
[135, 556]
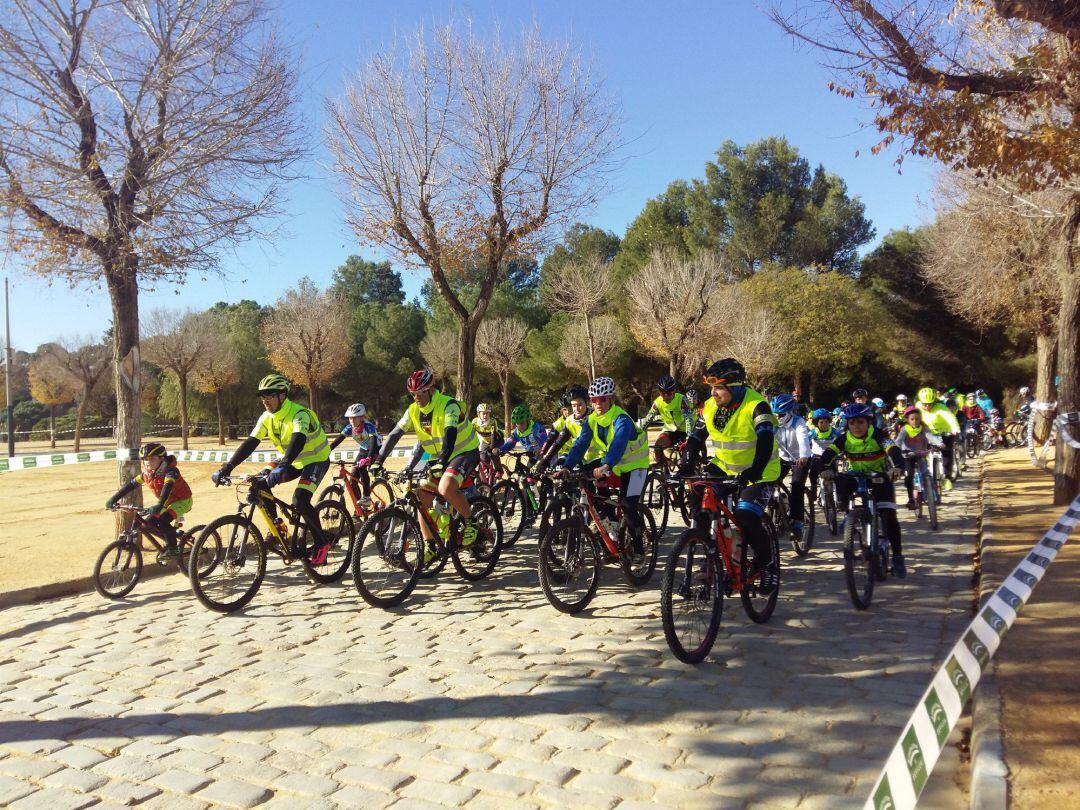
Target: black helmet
[576, 392]
[667, 383]
[728, 371]
[860, 393]
[152, 450]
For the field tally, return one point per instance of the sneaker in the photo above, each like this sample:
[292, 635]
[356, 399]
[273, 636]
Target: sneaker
[910, 503]
[898, 568]
[430, 553]
[468, 537]
[948, 485]
[168, 554]
[364, 503]
[319, 555]
[797, 528]
[768, 582]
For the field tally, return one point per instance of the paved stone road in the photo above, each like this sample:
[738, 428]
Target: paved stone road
[478, 694]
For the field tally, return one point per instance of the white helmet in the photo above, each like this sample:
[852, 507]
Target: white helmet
[901, 398]
[483, 407]
[356, 409]
[1024, 390]
[878, 401]
[602, 387]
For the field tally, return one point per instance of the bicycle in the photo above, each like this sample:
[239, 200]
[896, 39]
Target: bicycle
[707, 563]
[388, 557]
[924, 495]
[119, 567]
[379, 495]
[937, 471]
[520, 499]
[239, 550]
[661, 495]
[779, 510]
[867, 551]
[490, 470]
[573, 550]
[826, 498]
[972, 438]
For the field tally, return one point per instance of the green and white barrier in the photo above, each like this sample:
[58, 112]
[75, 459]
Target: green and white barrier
[266, 456]
[927, 730]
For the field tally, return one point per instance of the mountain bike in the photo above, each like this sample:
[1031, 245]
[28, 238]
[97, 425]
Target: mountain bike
[379, 495]
[826, 498]
[489, 471]
[779, 511]
[389, 555]
[708, 562]
[119, 567]
[922, 492]
[867, 552]
[239, 551]
[520, 499]
[972, 438]
[574, 548]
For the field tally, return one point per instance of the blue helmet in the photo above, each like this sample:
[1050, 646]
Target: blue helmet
[820, 413]
[784, 403]
[836, 411]
[858, 410]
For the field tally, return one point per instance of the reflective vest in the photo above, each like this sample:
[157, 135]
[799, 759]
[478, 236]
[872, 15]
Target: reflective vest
[486, 430]
[636, 454]
[671, 413]
[279, 426]
[939, 419]
[429, 425]
[573, 427]
[864, 455]
[734, 446]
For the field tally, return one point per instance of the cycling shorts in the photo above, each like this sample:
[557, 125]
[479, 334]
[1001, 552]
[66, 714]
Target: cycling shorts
[673, 436]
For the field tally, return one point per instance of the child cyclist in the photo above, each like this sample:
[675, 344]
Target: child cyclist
[914, 441]
[822, 434]
[366, 436]
[793, 442]
[867, 451]
[160, 473]
[527, 432]
[487, 429]
[577, 399]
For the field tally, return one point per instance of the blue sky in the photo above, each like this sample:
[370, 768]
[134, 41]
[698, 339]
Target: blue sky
[689, 76]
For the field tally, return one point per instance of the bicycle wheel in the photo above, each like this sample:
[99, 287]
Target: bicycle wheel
[830, 509]
[211, 553]
[858, 559]
[655, 499]
[803, 541]
[509, 500]
[477, 560]
[569, 566]
[638, 567]
[334, 492]
[760, 606]
[930, 494]
[692, 597]
[118, 568]
[382, 495]
[337, 527]
[387, 557]
[237, 546]
[882, 550]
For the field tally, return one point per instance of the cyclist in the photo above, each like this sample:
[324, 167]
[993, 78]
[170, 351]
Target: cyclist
[983, 400]
[160, 473]
[867, 450]
[972, 410]
[914, 442]
[296, 433]
[447, 436]
[822, 434]
[742, 428]
[623, 451]
[366, 436]
[673, 412]
[693, 399]
[901, 405]
[487, 428]
[940, 420]
[577, 399]
[793, 442]
[861, 396]
[527, 432]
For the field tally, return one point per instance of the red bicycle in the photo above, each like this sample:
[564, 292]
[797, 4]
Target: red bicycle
[707, 563]
[379, 496]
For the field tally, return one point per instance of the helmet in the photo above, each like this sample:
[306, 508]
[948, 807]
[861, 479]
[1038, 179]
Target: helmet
[972, 397]
[520, 414]
[784, 403]
[693, 397]
[1024, 390]
[950, 402]
[878, 402]
[979, 393]
[858, 410]
[728, 371]
[564, 400]
[901, 398]
[420, 380]
[820, 413]
[927, 396]
[910, 409]
[602, 387]
[356, 409]
[860, 393]
[483, 408]
[667, 383]
[274, 384]
[577, 392]
[152, 450]
[836, 411]
[995, 412]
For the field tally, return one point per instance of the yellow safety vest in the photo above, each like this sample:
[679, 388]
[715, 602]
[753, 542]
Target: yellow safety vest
[734, 446]
[864, 455]
[636, 454]
[573, 427]
[671, 413]
[429, 425]
[279, 426]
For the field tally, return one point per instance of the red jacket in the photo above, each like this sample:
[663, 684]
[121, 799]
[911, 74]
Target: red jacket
[180, 489]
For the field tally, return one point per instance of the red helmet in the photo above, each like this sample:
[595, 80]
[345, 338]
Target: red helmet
[910, 409]
[419, 380]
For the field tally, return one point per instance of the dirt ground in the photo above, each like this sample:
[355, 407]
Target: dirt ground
[1038, 666]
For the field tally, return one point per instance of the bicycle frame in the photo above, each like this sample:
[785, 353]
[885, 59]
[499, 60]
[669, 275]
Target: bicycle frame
[586, 509]
[140, 527]
[282, 546]
[862, 493]
[716, 510]
[351, 483]
[527, 482]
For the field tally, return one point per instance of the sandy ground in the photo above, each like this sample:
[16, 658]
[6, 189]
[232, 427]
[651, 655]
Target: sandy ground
[1037, 666]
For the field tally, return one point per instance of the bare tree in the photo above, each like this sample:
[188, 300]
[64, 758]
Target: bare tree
[757, 337]
[458, 153]
[440, 351]
[140, 136]
[675, 303]
[50, 384]
[307, 337]
[606, 339]
[220, 368]
[177, 342]
[85, 362]
[581, 289]
[500, 345]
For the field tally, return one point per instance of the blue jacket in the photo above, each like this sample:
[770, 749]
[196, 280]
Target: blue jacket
[625, 430]
[530, 442]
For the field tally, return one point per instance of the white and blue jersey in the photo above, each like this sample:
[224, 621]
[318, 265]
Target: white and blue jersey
[367, 438]
[531, 441]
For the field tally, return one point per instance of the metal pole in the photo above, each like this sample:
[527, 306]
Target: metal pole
[7, 377]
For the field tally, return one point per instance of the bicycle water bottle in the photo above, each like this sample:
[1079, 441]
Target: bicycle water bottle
[442, 519]
[282, 528]
[734, 537]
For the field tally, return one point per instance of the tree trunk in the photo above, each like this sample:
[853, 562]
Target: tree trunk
[466, 363]
[1067, 464]
[811, 390]
[219, 402]
[589, 340]
[671, 365]
[504, 383]
[80, 410]
[124, 295]
[313, 396]
[184, 427]
[52, 426]
[1046, 365]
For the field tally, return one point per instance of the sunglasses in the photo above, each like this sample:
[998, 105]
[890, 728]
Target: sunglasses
[714, 381]
[596, 400]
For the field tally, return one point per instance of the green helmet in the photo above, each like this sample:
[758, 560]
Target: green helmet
[927, 396]
[520, 414]
[274, 384]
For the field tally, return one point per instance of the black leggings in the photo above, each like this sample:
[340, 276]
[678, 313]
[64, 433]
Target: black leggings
[949, 440]
[163, 523]
[885, 497]
[797, 488]
[365, 481]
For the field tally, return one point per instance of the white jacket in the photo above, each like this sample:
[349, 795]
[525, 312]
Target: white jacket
[793, 438]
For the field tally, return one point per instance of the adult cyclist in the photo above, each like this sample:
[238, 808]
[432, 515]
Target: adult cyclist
[296, 433]
[793, 441]
[577, 400]
[940, 420]
[673, 412]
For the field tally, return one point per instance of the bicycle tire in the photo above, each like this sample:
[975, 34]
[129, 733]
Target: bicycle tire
[334, 492]
[125, 563]
[803, 541]
[882, 552]
[230, 560]
[566, 551]
[749, 592]
[831, 516]
[187, 541]
[400, 556]
[636, 575]
[858, 563]
[710, 595]
[655, 498]
[334, 520]
[510, 501]
[381, 494]
[487, 547]
[930, 496]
